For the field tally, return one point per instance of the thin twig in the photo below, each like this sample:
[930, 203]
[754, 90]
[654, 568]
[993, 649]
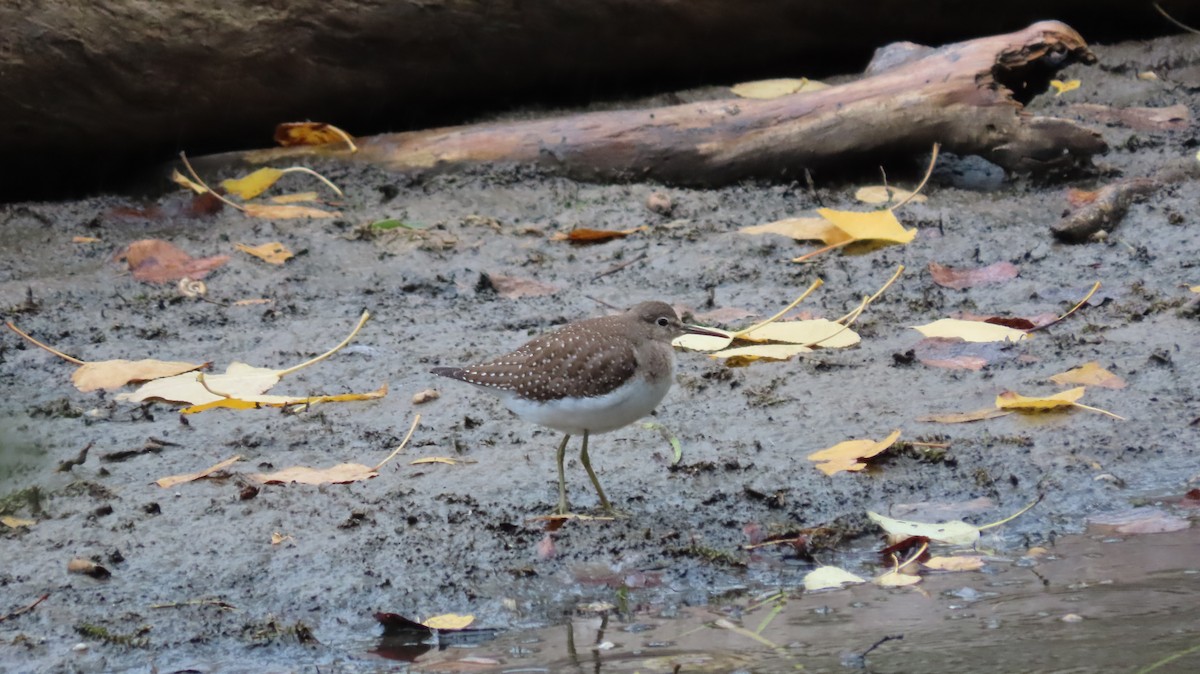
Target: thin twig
[619, 267]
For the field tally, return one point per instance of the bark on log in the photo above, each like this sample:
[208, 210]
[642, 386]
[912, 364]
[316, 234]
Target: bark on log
[966, 96]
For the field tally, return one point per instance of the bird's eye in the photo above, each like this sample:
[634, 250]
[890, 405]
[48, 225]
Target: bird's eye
[662, 321]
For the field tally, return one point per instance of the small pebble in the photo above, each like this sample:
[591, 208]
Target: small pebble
[661, 203]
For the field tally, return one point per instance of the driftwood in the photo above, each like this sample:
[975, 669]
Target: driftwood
[967, 96]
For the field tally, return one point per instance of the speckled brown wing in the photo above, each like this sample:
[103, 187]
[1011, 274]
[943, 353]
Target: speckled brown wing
[584, 359]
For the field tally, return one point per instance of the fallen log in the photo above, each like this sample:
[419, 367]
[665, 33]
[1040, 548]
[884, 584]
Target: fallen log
[967, 96]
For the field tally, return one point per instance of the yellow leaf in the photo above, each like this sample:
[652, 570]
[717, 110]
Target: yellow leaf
[14, 522]
[703, 342]
[964, 417]
[251, 402]
[1195, 289]
[882, 194]
[449, 621]
[187, 183]
[254, 184]
[1089, 374]
[744, 355]
[971, 331]
[286, 211]
[293, 198]
[277, 538]
[188, 477]
[870, 226]
[272, 252]
[957, 563]
[955, 532]
[775, 88]
[801, 229]
[896, 579]
[111, 375]
[813, 332]
[439, 459]
[1014, 401]
[1061, 87]
[238, 381]
[342, 473]
[826, 577]
[849, 455]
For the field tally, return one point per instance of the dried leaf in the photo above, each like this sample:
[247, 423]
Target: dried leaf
[703, 342]
[272, 252]
[763, 89]
[883, 194]
[851, 454]
[1089, 374]
[286, 211]
[971, 331]
[955, 532]
[342, 473]
[515, 287]
[251, 402]
[84, 239]
[294, 198]
[290, 134]
[14, 522]
[440, 459]
[158, 261]
[111, 375]
[958, 279]
[585, 235]
[964, 417]
[1061, 87]
[1010, 400]
[187, 183]
[813, 332]
[802, 229]
[425, 396]
[896, 579]
[277, 538]
[826, 577]
[870, 226]
[744, 355]
[88, 568]
[956, 563]
[239, 381]
[173, 480]
[449, 621]
[253, 184]
[955, 354]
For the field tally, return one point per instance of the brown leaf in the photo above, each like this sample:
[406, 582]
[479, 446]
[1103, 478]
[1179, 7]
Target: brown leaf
[1089, 374]
[514, 287]
[586, 235]
[272, 252]
[111, 375]
[1014, 322]
[958, 279]
[286, 211]
[158, 261]
[956, 354]
[289, 134]
[173, 480]
[1078, 197]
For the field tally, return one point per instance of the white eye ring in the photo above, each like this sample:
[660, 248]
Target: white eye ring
[662, 321]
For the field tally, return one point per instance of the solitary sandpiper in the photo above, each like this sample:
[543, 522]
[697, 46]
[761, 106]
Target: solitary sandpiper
[590, 376]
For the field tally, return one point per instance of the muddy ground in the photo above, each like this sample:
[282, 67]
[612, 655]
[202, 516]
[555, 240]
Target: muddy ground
[428, 539]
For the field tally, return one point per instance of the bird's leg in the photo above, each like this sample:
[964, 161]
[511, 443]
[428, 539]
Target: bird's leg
[583, 456]
[562, 478]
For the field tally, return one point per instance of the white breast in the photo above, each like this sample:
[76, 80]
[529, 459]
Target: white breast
[598, 414]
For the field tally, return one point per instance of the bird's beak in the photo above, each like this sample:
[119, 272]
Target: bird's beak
[697, 330]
